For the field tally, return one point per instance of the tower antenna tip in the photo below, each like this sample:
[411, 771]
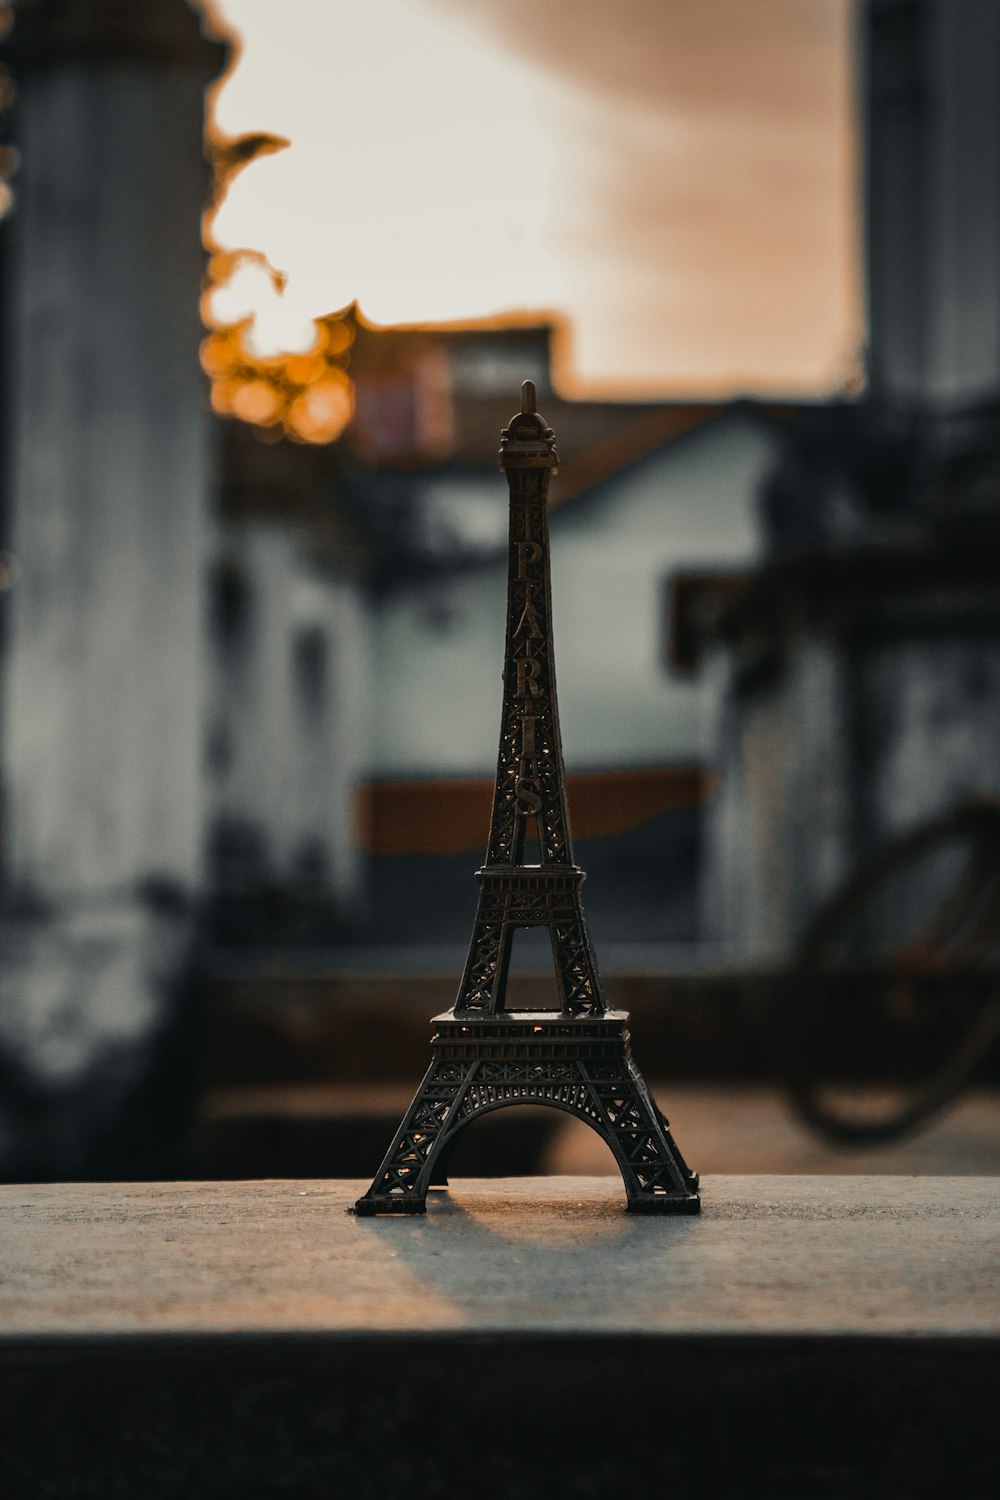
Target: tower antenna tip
[527, 397]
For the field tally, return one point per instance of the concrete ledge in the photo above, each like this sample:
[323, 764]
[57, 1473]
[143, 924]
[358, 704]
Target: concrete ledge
[770, 1256]
[804, 1336]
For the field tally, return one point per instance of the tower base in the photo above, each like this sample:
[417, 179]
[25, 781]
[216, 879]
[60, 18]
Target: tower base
[579, 1064]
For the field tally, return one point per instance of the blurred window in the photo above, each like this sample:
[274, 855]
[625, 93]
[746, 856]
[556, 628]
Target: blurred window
[310, 668]
[231, 599]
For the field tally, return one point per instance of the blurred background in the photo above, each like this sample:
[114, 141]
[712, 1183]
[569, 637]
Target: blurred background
[271, 279]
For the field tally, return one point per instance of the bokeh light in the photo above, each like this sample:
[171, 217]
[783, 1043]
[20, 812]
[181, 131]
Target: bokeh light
[308, 396]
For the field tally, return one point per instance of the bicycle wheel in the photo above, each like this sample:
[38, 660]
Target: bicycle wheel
[895, 991]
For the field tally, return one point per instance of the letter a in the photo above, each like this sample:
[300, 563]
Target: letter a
[532, 619]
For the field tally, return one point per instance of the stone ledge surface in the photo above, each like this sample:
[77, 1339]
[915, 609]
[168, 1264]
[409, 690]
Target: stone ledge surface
[844, 1257]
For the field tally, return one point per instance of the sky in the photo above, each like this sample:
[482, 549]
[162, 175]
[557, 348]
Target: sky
[675, 179]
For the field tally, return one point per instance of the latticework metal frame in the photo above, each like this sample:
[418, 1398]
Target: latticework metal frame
[486, 1057]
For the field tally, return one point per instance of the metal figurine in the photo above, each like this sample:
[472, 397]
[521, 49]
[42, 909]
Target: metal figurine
[484, 1056]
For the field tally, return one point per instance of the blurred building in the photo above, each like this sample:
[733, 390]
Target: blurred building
[257, 681]
[860, 665]
[359, 641]
[259, 678]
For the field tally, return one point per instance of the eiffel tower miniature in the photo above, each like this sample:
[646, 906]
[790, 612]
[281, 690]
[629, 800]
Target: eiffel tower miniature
[484, 1056]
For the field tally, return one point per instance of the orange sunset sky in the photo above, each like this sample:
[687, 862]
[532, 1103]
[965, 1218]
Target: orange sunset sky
[676, 178]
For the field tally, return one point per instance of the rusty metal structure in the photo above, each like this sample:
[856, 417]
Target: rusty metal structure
[485, 1057]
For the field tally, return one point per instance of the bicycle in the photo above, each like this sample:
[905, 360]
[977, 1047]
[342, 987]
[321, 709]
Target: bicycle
[906, 954]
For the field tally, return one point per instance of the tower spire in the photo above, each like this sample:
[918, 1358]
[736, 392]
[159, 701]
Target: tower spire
[531, 784]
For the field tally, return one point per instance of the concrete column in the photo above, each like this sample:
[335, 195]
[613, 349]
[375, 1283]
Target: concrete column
[931, 97]
[110, 464]
[108, 494]
[778, 833]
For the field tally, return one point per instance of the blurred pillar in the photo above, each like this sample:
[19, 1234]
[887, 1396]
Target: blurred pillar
[110, 454]
[779, 831]
[931, 96]
[108, 489]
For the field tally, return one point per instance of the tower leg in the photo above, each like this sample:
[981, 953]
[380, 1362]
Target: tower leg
[401, 1183]
[576, 966]
[657, 1178]
[502, 1062]
[485, 966]
[484, 980]
[442, 1163]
